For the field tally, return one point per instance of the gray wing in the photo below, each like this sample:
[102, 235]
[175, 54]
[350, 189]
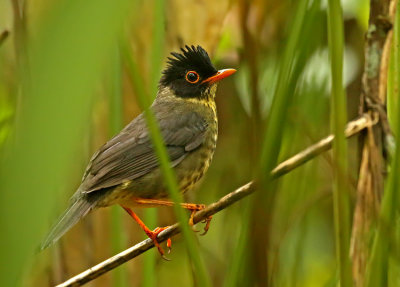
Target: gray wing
[129, 155]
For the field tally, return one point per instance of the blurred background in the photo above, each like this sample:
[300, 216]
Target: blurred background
[66, 87]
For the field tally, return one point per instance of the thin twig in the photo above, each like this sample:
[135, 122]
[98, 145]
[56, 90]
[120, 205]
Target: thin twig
[352, 128]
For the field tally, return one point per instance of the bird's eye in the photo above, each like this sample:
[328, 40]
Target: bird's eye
[192, 77]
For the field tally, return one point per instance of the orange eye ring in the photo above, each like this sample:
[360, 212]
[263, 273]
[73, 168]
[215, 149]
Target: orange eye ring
[192, 77]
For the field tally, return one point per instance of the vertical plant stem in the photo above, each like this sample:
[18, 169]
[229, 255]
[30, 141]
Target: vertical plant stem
[251, 60]
[273, 136]
[370, 185]
[150, 214]
[236, 267]
[338, 122]
[169, 176]
[115, 118]
[377, 270]
[394, 70]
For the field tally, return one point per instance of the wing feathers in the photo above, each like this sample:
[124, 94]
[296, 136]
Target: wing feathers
[130, 154]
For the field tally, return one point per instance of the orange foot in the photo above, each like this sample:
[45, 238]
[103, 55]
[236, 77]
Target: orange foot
[193, 209]
[151, 234]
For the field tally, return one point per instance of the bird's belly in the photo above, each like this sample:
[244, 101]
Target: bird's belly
[193, 167]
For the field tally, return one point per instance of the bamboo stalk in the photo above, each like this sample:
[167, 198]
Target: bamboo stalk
[370, 185]
[378, 265]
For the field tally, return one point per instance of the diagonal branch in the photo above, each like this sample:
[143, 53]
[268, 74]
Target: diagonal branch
[352, 128]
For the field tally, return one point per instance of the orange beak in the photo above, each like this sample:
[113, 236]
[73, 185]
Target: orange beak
[219, 75]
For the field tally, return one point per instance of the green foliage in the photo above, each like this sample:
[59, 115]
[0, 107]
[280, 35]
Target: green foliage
[65, 64]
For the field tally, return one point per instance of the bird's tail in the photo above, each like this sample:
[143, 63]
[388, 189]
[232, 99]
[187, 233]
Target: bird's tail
[80, 206]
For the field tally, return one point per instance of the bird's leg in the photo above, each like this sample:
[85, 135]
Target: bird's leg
[193, 207]
[151, 234]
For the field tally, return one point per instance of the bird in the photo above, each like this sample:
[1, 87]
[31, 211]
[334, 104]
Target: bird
[125, 171]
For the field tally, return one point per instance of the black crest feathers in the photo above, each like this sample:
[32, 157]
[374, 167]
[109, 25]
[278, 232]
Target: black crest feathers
[190, 58]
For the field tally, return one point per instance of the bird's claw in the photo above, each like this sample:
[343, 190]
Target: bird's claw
[165, 258]
[207, 221]
[191, 223]
[153, 236]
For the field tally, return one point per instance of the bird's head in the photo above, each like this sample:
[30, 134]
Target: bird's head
[190, 74]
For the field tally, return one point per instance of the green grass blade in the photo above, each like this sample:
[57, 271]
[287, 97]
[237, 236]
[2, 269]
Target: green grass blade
[273, 135]
[236, 270]
[168, 173]
[69, 51]
[338, 122]
[156, 58]
[118, 236]
[282, 99]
